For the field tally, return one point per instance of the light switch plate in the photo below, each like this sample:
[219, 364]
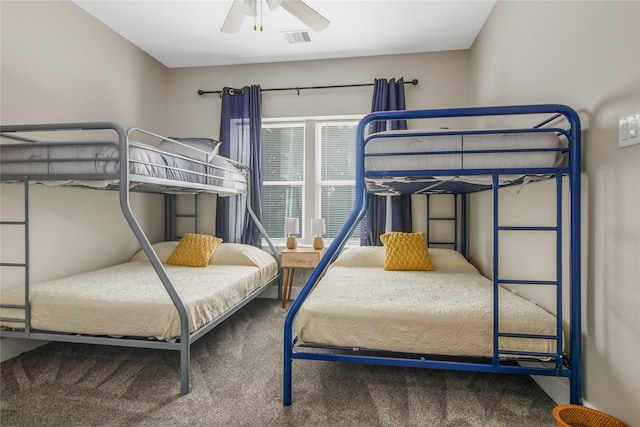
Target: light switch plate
[629, 130]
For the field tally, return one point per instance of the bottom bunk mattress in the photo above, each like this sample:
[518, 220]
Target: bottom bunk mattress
[129, 299]
[448, 311]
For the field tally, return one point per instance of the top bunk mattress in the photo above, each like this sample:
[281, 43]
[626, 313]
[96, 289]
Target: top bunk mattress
[441, 149]
[97, 164]
[428, 155]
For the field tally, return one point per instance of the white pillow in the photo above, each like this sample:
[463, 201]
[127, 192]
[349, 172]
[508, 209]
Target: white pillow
[209, 146]
[163, 250]
[361, 256]
[450, 260]
[240, 254]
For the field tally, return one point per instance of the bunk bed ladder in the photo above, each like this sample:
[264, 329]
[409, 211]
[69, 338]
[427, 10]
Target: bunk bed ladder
[453, 219]
[25, 265]
[172, 216]
[557, 282]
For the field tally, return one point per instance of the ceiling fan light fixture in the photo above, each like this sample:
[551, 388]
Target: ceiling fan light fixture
[250, 8]
[273, 4]
[298, 8]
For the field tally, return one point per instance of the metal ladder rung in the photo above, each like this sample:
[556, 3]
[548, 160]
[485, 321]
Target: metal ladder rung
[13, 319]
[527, 228]
[12, 264]
[532, 336]
[535, 354]
[16, 306]
[527, 282]
[172, 216]
[453, 219]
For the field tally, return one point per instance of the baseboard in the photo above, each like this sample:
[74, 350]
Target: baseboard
[270, 293]
[12, 347]
[557, 388]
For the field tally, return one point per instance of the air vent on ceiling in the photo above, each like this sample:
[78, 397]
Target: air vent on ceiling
[297, 36]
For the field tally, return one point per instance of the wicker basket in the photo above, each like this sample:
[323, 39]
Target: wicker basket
[580, 416]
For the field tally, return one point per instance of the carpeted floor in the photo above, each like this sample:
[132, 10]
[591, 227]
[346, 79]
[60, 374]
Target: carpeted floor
[236, 380]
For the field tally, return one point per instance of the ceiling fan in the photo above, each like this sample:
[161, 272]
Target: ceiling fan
[299, 9]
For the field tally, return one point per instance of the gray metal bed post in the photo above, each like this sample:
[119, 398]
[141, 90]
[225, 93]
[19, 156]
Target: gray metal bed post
[153, 258]
[25, 264]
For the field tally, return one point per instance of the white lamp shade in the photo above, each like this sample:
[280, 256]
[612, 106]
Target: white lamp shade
[291, 226]
[317, 226]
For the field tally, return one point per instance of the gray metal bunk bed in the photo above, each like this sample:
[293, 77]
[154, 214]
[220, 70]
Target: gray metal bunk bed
[175, 166]
[352, 310]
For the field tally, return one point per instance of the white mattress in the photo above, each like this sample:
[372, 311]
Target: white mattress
[129, 299]
[82, 160]
[446, 312]
[415, 144]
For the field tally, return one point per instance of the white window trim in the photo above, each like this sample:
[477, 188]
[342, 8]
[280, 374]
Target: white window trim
[311, 207]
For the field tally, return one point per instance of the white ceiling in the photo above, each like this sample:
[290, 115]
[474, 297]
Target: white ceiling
[184, 33]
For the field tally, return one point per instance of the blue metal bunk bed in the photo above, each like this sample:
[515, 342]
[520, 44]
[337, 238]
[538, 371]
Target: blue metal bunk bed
[177, 168]
[460, 181]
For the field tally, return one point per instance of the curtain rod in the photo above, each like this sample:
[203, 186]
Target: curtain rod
[298, 89]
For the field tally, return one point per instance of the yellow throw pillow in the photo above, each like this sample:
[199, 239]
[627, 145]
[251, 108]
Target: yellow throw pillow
[194, 250]
[406, 252]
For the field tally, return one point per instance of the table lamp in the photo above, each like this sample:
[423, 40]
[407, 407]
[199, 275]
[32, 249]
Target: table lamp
[318, 229]
[291, 228]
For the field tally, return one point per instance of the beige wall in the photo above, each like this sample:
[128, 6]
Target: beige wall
[585, 54]
[60, 64]
[443, 82]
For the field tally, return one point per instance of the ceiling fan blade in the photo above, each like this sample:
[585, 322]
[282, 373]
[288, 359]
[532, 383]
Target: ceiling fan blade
[273, 4]
[306, 14]
[234, 18]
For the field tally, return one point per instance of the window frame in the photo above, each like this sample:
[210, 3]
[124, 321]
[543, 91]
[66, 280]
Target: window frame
[311, 186]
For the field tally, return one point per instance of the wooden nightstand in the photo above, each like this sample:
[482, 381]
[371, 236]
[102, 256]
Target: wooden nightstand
[290, 259]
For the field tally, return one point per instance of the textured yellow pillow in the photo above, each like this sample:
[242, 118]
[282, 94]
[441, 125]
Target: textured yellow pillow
[194, 250]
[406, 252]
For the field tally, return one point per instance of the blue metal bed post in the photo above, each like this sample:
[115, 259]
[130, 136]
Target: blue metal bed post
[575, 334]
[359, 209]
[559, 281]
[428, 218]
[456, 244]
[495, 360]
[463, 224]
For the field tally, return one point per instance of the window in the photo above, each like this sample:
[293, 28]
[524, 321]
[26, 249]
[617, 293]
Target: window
[309, 171]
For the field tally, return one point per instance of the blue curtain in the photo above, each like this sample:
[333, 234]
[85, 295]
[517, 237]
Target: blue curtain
[387, 95]
[241, 137]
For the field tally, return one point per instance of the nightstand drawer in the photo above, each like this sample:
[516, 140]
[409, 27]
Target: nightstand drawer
[298, 258]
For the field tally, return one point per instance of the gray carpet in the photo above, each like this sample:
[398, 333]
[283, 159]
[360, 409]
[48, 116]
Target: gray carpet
[236, 380]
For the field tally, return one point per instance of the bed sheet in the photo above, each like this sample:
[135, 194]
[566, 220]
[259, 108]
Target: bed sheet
[448, 311]
[130, 300]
